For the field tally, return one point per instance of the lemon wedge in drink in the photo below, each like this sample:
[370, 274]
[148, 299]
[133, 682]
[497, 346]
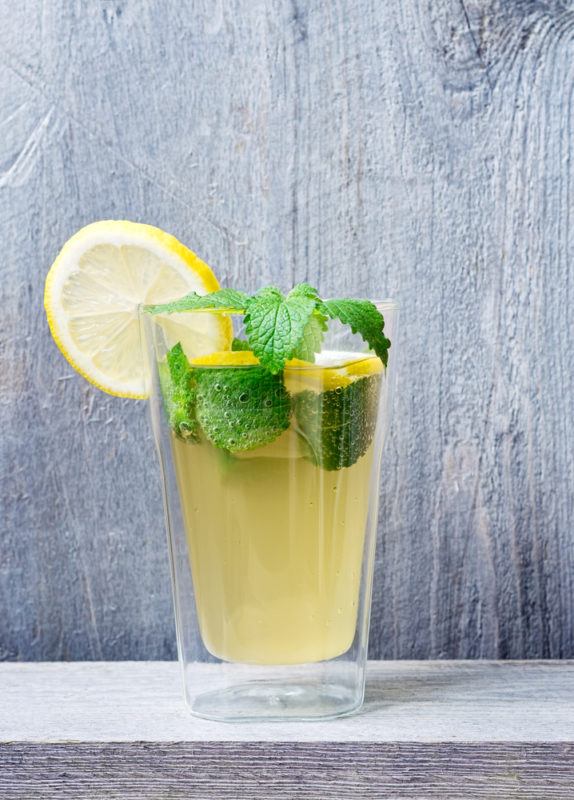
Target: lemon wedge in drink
[226, 358]
[302, 375]
[93, 290]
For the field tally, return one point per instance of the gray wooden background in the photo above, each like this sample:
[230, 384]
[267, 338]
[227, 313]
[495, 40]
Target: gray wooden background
[419, 148]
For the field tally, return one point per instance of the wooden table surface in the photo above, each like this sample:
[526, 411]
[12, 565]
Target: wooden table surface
[428, 730]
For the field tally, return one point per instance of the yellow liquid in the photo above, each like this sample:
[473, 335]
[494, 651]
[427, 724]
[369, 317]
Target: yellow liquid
[276, 546]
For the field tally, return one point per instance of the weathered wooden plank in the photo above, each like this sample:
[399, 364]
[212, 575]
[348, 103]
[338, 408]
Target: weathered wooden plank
[258, 771]
[428, 730]
[420, 150]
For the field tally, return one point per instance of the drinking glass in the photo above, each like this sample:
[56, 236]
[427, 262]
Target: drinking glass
[271, 500]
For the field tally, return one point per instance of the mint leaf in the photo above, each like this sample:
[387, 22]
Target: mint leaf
[339, 425]
[275, 325]
[240, 344]
[222, 299]
[279, 327]
[178, 394]
[240, 408]
[304, 290]
[316, 326]
[364, 318]
[312, 337]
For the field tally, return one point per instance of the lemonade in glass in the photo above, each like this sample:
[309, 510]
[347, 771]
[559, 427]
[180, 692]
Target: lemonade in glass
[269, 413]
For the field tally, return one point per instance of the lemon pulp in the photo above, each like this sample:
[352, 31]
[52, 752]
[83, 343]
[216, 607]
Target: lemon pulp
[93, 290]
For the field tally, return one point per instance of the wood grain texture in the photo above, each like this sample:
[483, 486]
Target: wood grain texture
[256, 771]
[419, 149]
[441, 730]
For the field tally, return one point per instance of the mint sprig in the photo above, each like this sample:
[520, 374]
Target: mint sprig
[179, 394]
[221, 300]
[364, 318]
[239, 344]
[312, 337]
[339, 425]
[275, 325]
[240, 409]
[279, 327]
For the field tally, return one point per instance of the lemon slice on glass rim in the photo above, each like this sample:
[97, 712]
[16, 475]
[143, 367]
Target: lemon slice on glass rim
[93, 290]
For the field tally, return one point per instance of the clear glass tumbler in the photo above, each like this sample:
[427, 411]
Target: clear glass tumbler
[271, 488]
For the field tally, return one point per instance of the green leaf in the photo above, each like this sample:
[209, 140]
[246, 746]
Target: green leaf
[339, 425]
[222, 300]
[312, 337]
[275, 325]
[240, 408]
[364, 318]
[304, 290]
[240, 344]
[178, 393]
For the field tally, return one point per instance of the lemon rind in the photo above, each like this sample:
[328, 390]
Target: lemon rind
[133, 233]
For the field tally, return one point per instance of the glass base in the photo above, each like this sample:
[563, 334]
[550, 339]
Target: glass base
[275, 701]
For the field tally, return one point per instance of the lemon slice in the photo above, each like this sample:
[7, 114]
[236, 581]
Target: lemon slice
[371, 365]
[226, 358]
[300, 375]
[93, 290]
[303, 375]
